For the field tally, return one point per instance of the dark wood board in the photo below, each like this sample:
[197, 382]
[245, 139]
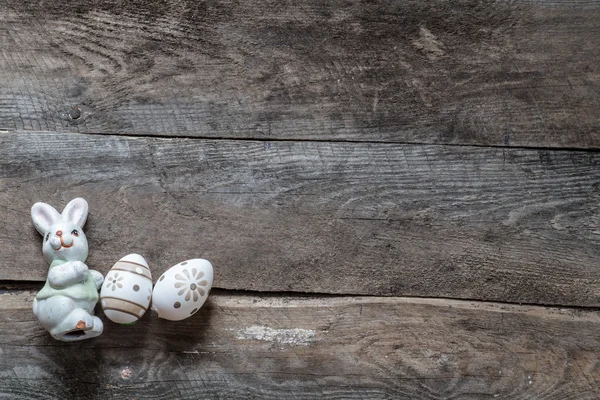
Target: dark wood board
[510, 225]
[484, 72]
[270, 347]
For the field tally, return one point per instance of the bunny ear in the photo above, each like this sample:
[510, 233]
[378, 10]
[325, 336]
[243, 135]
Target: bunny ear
[43, 216]
[76, 211]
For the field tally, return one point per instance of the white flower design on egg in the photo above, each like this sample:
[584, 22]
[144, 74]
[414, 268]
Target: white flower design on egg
[113, 281]
[190, 284]
[182, 289]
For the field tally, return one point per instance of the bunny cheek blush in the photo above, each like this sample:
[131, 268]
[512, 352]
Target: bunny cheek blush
[125, 295]
[65, 305]
[182, 289]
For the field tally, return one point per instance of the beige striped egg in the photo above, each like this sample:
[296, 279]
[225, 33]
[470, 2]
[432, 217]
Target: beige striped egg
[127, 290]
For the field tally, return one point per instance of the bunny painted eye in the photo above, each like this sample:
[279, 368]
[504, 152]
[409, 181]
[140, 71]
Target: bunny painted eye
[47, 236]
[75, 232]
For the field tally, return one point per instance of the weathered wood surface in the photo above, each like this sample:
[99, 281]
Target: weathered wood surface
[512, 225]
[485, 72]
[318, 347]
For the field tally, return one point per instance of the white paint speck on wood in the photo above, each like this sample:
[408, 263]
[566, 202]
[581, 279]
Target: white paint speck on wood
[294, 336]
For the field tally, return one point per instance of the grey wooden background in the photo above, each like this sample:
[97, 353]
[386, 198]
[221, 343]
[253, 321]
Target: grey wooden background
[401, 199]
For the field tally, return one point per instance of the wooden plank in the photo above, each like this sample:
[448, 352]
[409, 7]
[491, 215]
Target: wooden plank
[271, 347]
[439, 221]
[522, 73]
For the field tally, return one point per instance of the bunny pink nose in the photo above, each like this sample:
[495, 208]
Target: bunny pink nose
[58, 233]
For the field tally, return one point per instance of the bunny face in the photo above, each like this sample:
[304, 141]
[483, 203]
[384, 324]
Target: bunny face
[65, 241]
[63, 237]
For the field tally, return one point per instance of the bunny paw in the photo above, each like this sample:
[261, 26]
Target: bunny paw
[98, 278]
[98, 325]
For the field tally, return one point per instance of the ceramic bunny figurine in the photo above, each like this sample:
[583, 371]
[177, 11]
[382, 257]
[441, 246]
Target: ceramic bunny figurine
[65, 305]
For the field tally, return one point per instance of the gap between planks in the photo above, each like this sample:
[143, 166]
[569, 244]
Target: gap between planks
[300, 140]
[283, 299]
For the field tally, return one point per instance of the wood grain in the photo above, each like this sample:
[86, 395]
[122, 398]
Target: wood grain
[382, 219]
[485, 72]
[271, 347]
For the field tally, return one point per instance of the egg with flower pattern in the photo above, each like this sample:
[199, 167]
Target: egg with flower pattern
[127, 289]
[182, 289]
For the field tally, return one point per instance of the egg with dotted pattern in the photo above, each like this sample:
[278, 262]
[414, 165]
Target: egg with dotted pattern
[127, 290]
[182, 289]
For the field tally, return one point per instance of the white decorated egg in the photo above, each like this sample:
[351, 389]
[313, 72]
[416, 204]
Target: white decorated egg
[127, 289]
[182, 289]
